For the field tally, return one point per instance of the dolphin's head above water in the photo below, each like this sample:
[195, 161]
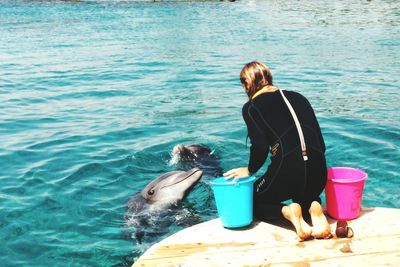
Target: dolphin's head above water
[172, 186]
[190, 152]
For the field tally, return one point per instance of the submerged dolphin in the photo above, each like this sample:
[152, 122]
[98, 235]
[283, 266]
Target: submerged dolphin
[197, 155]
[155, 208]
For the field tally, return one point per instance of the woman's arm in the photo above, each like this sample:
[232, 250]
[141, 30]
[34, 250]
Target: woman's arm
[259, 143]
[259, 146]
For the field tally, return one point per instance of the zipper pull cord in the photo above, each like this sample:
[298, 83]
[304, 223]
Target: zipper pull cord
[298, 126]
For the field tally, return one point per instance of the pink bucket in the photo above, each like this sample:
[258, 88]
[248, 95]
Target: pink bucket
[343, 192]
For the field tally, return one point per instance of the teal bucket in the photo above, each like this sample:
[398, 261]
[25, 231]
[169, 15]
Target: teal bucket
[234, 201]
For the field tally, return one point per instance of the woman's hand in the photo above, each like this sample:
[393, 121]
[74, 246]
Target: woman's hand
[237, 173]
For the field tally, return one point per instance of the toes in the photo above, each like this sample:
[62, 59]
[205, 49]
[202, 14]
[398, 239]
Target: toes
[317, 235]
[328, 236]
[302, 236]
[322, 234]
[305, 232]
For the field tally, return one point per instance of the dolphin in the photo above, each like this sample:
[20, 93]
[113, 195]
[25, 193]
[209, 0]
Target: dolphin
[197, 155]
[190, 152]
[171, 187]
[152, 211]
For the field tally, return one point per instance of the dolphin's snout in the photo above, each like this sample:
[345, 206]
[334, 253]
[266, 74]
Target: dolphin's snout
[194, 170]
[195, 174]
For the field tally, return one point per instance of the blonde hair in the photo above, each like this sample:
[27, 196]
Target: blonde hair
[254, 76]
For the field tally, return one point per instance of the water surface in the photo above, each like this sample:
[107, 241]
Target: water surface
[95, 94]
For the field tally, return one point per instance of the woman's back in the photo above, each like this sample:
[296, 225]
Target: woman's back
[270, 115]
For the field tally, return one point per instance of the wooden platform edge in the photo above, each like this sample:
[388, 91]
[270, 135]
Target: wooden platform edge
[376, 243]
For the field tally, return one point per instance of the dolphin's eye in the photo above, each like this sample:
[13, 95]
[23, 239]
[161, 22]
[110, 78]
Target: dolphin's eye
[150, 192]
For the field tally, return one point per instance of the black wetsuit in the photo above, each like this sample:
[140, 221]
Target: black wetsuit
[271, 128]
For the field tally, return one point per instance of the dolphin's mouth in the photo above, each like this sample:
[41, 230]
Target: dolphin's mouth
[193, 171]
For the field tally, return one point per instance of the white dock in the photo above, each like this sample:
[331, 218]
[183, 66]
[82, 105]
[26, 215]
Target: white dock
[376, 242]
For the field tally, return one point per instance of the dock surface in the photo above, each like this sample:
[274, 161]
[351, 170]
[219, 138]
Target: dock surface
[376, 242]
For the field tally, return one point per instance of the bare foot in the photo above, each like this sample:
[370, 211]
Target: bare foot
[321, 227]
[293, 214]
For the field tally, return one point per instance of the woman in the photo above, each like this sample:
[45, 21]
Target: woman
[298, 168]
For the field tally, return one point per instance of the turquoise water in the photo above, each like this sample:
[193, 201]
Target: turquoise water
[94, 95]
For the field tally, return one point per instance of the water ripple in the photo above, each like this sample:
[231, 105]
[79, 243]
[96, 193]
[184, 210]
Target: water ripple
[95, 94]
